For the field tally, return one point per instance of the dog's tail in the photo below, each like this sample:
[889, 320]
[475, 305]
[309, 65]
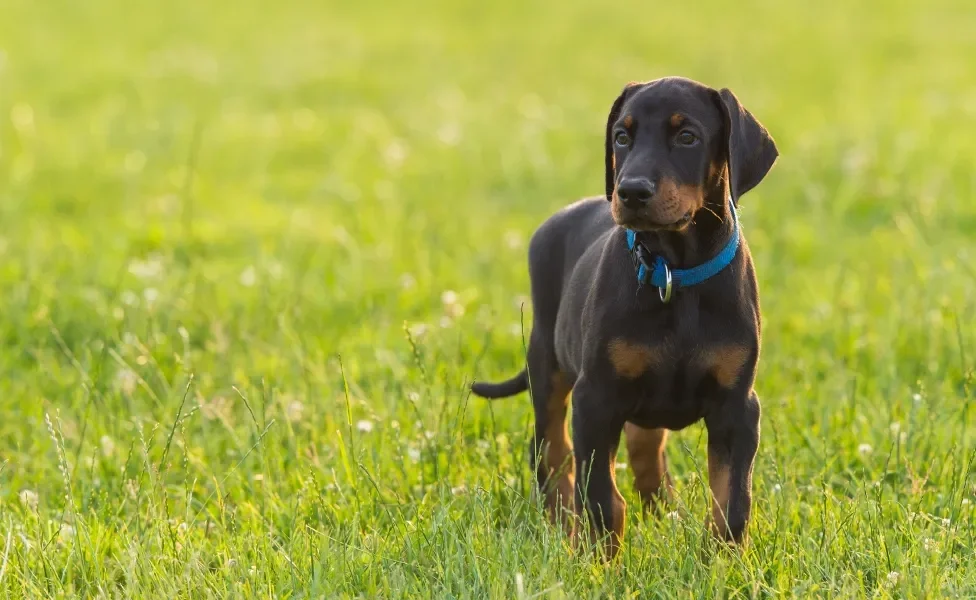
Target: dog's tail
[492, 391]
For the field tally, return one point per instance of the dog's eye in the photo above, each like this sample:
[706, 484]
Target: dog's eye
[686, 138]
[622, 139]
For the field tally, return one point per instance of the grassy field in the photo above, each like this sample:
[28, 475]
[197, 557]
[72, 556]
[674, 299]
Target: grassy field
[252, 254]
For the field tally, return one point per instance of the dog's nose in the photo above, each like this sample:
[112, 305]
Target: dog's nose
[634, 192]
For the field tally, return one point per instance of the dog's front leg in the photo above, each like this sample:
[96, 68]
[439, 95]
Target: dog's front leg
[733, 439]
[596, 435]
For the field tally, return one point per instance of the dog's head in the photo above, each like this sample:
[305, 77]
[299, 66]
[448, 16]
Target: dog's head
[670, 143]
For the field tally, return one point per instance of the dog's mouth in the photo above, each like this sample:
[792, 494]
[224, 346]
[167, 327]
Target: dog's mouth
[640, 223]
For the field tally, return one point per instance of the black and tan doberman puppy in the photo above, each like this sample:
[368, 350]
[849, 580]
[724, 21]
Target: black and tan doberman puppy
[646, 307]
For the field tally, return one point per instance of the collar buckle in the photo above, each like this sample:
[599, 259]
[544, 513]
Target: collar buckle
[665, 292]
[642, 262]
[647, 268]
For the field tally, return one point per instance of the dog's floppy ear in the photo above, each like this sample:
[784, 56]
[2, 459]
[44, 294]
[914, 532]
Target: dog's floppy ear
[751, 150]
[608, 142]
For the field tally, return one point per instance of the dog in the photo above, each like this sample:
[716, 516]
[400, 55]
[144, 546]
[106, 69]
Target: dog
[646, 308]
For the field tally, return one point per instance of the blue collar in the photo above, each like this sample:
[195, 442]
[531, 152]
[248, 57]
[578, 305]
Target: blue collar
[655, 270]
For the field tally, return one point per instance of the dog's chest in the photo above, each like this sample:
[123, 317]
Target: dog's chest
[666, 383]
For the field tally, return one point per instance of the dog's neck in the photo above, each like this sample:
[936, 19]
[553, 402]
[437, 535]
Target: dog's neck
[708, 233]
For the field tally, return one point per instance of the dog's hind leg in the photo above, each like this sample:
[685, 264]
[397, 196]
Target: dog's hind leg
[645, 449]
[552, 452]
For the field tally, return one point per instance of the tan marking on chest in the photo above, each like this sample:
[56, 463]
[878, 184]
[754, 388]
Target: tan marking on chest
[630, 359]
[725, 363]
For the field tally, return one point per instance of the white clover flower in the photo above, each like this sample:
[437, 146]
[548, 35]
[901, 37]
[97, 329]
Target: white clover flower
[294, 410]
[449, 297]
[67, 532]
[29, 499]
[248, 277]
[452, 305]
[150, 268]
[126, 380]
[395, 153]
[449, 134]
[108, 446]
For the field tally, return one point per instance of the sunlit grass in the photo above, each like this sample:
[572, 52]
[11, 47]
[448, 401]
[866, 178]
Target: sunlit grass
[251, 257]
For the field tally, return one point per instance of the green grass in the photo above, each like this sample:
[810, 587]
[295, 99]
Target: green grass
[203, 205]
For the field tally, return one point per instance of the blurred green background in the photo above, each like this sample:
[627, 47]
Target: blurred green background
[246, 191]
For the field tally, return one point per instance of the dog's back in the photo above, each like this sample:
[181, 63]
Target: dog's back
[554, 250]
[557, 246]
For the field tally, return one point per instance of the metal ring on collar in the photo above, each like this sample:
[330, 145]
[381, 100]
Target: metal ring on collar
[665, 292]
